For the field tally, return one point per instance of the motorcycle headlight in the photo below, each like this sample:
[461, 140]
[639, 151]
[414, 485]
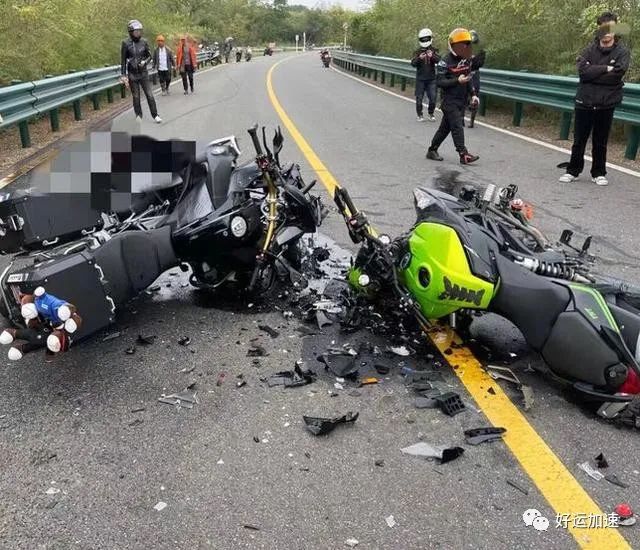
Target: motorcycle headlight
[385, 239]
[364, 280]
[238, 226]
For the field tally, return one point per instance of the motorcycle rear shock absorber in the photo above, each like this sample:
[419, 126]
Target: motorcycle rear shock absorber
[557, 270]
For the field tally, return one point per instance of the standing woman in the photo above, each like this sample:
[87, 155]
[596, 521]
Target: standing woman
[135, 56]
[601, 66]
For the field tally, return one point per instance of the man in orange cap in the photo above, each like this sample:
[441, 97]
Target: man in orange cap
[163, 63]
[454, 75]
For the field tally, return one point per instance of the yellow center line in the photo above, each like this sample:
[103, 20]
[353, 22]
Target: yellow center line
[555, 482]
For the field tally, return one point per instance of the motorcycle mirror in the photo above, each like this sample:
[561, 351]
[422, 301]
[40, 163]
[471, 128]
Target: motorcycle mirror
[587, 244]
[566, 236]
[278, 140]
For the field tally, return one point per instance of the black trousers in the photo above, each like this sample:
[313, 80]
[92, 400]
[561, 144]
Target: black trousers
[135, 83]
[597, 123]
[426, 87]
[165, 79]
[451, 123]
[187, 73]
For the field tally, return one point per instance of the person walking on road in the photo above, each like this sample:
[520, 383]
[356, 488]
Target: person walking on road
[425, 59]
[163, 62]
[454, 76]
[135, 56]
[601, 68]
[187, 62]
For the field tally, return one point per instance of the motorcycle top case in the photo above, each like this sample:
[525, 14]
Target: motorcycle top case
[31, 219]
[72, 278]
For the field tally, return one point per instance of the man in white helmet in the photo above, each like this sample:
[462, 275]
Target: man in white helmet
[425, 59]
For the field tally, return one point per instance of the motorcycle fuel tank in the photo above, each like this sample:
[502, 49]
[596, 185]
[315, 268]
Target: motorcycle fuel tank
[437, 273]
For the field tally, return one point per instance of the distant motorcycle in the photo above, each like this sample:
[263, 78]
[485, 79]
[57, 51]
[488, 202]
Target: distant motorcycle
[268, 51]
[248, 54]
[238, 56]
[325, 56]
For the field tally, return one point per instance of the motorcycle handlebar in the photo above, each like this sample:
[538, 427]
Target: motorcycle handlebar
[253, 132]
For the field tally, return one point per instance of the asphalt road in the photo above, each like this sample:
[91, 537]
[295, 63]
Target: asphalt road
[70, 425]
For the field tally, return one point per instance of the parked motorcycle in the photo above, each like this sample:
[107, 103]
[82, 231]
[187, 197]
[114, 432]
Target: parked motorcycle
[268, 51]
[238, 55]
[325, 56]
[479, 252]
[248, 53]
[228, 224]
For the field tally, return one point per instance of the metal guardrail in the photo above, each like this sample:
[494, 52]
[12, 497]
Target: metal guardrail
[552, 91]
[23, 101]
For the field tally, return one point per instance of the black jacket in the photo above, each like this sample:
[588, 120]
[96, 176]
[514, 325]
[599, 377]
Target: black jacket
[598, 87]
[156, 58]
[425, 68]
[448, 70]
[134, 57]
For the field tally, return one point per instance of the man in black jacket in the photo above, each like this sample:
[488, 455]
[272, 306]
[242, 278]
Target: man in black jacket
[135, 56]
[601, 67]
[454, 74]
[425, 59]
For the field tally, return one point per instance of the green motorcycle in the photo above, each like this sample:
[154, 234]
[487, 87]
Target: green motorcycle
[479, 252]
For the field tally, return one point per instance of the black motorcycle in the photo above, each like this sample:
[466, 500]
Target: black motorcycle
[238, 56]
[227, 224]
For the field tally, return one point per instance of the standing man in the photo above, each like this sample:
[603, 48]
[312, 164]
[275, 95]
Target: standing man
[601, 67]
[454, 75]
[425, 59]
[163, 63]
[187, 62]
[135, 55]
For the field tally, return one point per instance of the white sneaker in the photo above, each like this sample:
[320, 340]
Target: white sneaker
[600, 180]
[158, 119]
[567, 178]
[6, 338]
[420, 119]
[14, 354]
[432, 118]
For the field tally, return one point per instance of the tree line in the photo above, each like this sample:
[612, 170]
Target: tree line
[537, 35]
[40, 37]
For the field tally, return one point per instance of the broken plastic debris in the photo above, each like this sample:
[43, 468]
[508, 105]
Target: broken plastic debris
[146, 340]
[292, 379]
[251, 527]
[601, 461]
[352, 543]
[613, 478]
[625, 515]
[338, 386]
[527, 396]
[322, 319]
[322, 426]
[379, 462]
[591, 471]
[424, 450]
[368, 381]
[382, 368]
[391, 521]
[450, 403]
[518, 486]
[130, 351]
[426, 403]
[52, 491]
[256, 351]
[270, 331]
[220, 462]
[481, 435]
[184, 341]
[160, 506]
[401, 350]
[341, 364]
[112, 336]
[186, 399]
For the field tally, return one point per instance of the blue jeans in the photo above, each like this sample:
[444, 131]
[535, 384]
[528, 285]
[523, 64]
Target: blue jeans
[428, 87]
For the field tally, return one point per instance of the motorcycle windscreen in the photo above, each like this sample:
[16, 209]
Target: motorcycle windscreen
[438, 273]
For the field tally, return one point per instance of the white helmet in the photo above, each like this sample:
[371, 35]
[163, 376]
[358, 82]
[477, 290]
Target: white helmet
[425, 37]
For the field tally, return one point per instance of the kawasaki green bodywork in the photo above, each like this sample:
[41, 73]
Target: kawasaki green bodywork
[438, 274]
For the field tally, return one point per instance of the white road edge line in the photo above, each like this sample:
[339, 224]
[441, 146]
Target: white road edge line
[622, 169]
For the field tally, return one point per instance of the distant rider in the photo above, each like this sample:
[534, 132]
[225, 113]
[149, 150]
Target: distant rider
[425, 59]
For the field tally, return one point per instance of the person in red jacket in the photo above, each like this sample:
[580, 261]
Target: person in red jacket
[186, 62]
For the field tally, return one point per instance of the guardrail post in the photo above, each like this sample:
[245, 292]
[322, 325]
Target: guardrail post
[54, 117]
[392, 83]
[482, 108]
[95, 98]
[565, 124]
[77, 110]
[517, 113]
[382, 77]
[109, 95]
[632, 143]
[375, 75]
[403, 83]
[25, 139]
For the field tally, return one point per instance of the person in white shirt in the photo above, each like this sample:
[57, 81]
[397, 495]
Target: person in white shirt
[163, 62]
